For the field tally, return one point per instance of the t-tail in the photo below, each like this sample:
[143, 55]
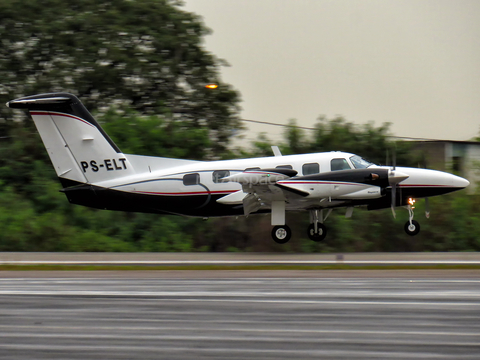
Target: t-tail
[80, 150]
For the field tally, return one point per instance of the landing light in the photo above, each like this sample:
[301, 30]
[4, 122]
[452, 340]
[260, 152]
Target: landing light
[411, 202]
[211, 86]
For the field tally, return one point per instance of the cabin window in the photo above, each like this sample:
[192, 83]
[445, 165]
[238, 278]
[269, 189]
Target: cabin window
[219, 174]
[309, 169]
[191, 179]
[339, 164]
[284, 167]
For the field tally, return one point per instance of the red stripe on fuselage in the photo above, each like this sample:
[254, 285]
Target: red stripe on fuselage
[186, 193]
[60, 114]
[423, 185]
[348, 183]
[319, 182]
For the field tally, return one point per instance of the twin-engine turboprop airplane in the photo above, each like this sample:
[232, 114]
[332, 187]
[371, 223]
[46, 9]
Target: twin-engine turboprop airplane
[94, 172]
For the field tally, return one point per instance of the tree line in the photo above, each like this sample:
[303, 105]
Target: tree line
[140, 67]
[35, 216]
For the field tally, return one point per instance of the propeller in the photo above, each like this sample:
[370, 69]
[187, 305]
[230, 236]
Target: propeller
[395, 177]
[394, 185]
[427, 202]
[427, 208]
[394, 195]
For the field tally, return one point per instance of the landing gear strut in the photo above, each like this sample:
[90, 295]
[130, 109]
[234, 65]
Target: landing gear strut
[411, 227]
[316, 231]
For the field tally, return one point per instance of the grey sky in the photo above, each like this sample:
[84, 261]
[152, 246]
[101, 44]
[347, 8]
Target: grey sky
[414, 63]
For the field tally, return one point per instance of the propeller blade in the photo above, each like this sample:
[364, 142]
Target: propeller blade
[394, 157]
[394, 195]
[427, 208]
[401, 197]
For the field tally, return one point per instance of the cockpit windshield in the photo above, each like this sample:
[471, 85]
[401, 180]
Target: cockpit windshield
[360, 163]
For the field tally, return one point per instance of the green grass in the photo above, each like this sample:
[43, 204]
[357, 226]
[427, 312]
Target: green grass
[233, 267]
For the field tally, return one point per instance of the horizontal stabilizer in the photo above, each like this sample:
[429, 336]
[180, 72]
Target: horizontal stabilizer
[27, 103]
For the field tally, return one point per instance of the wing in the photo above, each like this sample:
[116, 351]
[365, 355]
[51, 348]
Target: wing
[262, 187]
[259, 189]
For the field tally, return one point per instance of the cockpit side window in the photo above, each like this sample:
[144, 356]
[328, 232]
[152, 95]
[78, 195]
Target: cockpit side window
[359, 162]
[339, 164]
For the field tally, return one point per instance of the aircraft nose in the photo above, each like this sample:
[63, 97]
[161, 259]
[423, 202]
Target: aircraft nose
[460, 182]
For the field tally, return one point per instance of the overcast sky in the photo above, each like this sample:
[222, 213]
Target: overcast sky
[414, 63]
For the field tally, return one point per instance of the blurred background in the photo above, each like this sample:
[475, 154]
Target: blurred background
[141, 68]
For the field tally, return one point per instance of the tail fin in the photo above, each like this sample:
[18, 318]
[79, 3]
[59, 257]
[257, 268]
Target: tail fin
[80, 150]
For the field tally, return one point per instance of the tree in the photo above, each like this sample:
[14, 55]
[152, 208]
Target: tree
[144, 54]
[338, 134]
[154, 136]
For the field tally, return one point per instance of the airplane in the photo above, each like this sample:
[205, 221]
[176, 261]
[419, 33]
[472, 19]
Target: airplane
[95, 173]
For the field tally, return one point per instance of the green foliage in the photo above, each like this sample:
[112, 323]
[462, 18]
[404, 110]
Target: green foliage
[338, 134]
[154, 136]
[146, 55]
[35, 216]
[128, 60]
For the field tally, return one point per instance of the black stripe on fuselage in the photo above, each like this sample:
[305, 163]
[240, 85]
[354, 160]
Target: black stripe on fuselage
[361, 176]
[404, 193]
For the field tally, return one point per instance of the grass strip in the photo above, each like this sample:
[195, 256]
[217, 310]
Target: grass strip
[59, 267]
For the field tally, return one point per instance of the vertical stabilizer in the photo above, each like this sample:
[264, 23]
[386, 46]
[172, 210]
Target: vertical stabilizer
[77, 145]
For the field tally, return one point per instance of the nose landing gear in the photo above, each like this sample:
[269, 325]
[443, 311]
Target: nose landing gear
[411, 227]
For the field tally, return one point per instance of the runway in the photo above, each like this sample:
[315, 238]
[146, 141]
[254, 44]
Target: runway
[239, 318]
[240, 258]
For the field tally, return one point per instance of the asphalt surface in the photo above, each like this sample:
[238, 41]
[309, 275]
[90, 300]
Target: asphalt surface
[102, 317]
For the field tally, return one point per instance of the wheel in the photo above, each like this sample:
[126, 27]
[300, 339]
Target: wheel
[281, 234]
[321, 232]
[413, 228]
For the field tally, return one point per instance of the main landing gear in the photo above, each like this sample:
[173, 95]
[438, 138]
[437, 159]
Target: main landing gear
[281, 234]
[316, 231]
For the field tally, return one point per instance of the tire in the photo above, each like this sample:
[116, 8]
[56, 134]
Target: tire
[412, 229]
[320, 235]
[281, 234]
